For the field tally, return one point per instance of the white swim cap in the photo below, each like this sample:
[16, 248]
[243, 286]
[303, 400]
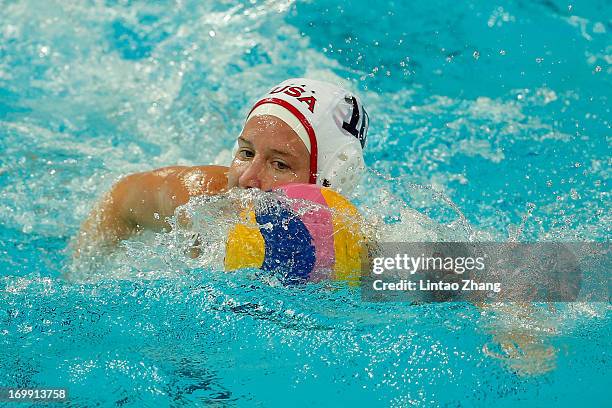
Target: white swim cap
[330, 121]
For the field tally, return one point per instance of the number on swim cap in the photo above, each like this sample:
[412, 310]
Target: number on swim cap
[351, 127]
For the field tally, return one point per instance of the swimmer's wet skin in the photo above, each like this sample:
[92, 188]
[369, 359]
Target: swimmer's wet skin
[300, 131]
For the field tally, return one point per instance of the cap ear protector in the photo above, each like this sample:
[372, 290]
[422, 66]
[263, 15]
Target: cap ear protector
[331, 122]
[344, 171]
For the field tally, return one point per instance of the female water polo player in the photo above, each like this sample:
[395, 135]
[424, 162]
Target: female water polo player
[301, 131]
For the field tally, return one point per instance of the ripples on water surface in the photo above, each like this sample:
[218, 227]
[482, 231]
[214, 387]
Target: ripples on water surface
[503, 107]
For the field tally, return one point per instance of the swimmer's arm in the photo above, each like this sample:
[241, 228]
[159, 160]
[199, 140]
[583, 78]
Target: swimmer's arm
[143, 201]
[522, 334]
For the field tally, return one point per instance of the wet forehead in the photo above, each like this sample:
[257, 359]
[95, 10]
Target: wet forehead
[269, 132]
[268, 124]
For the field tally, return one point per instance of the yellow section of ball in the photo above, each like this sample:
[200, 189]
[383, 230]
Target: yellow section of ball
[245, 247]
[348, 239]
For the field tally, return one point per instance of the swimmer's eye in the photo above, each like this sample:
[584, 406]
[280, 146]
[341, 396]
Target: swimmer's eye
[246, 154]
[280, 165]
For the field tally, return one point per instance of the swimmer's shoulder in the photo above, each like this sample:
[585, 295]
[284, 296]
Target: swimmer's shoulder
[138, 197]
[193, 180]
[210, 179]
[168, 187]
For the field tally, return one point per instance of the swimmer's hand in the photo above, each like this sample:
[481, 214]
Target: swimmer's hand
[523, 353]
[521, 341]
[144, 201]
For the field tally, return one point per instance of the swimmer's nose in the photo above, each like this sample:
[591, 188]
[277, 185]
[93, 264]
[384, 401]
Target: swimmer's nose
[251, 178]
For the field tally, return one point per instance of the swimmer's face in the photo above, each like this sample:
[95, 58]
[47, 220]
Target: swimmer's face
[270, 154]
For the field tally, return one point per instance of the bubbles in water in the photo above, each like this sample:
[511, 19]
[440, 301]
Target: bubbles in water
[574, 194]
[43, 51]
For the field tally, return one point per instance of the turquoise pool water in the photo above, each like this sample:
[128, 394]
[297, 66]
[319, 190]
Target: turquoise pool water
[503, 108]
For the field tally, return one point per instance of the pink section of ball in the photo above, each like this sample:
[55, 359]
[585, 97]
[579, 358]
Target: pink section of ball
[319, 224]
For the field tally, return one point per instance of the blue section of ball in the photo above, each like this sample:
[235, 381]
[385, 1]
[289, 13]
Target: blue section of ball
[289, 248]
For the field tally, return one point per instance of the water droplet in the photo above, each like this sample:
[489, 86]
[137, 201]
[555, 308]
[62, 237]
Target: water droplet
[539, 60]
[476, 55]
[598, 68]
[574, 194]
